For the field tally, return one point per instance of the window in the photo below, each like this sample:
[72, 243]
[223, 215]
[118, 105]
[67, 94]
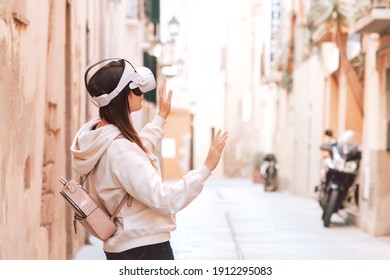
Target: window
[133, 9]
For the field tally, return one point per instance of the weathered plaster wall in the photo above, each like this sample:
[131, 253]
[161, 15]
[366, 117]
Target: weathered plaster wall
[33, 216]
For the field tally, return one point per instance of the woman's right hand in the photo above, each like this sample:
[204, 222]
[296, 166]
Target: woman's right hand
[164, 100]
[215, 150]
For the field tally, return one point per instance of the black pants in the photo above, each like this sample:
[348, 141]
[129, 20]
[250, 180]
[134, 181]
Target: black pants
[160, 251]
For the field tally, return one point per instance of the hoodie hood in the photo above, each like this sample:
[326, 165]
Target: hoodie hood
[89, 145]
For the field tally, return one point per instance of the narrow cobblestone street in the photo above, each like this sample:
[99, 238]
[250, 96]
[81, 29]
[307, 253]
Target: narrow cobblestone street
[235, 219]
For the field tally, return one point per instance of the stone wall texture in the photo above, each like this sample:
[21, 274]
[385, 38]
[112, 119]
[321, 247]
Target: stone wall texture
[44, 50]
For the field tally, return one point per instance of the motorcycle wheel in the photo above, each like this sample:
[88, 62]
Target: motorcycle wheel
[357, 195]
[322, 197]
[269, 185]
[330, 207]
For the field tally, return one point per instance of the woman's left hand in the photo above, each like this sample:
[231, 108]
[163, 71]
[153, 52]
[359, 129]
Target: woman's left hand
[164, 100]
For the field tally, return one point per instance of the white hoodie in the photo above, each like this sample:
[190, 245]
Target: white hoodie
[121, 166]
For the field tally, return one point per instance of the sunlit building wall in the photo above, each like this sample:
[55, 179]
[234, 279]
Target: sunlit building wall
[198, 86]
[240, 71]
[374, 206]
[45, 51]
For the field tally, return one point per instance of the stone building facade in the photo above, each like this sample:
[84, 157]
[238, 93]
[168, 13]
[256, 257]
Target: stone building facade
[44, 50]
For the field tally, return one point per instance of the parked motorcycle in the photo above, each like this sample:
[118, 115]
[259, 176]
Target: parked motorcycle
[338, 175]
[269, 172]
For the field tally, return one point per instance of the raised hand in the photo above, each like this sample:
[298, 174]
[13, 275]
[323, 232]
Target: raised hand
[164, 100]
[215, 150]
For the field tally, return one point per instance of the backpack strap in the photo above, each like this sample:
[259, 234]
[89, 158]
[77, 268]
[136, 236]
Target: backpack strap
[82, 180]
[94, 194]
[124, 199]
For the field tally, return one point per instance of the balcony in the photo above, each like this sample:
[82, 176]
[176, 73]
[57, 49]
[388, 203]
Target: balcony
[377, 20]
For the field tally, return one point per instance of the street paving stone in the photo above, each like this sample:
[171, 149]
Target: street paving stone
[235, 219]
[266, 225]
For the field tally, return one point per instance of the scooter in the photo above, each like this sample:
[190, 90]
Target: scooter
[339, 172]
[269, 172]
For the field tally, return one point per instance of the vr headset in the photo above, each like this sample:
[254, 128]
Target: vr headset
[141, 80]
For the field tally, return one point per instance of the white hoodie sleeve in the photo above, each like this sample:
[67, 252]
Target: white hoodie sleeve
[140, 179]
[152, 133]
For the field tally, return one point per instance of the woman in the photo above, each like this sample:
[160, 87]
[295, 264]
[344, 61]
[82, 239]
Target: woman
[119, 160]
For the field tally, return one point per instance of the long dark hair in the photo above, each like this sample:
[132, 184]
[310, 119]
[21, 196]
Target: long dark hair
[117, 111]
